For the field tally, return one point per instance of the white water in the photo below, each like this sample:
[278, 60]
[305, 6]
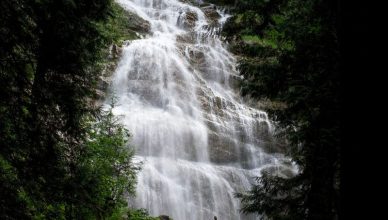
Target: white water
[199, 142]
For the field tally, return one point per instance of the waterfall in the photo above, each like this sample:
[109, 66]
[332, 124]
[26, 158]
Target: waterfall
[176, 90]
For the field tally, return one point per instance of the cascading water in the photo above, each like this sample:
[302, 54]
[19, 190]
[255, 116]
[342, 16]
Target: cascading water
[199, 142]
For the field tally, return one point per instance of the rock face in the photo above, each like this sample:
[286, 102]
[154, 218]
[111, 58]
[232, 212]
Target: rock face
[105, 78]
[187, 19]
[138, 24]
[164, 217]
[227, 121]
[211, 13]
[177, 92]
[115, 51]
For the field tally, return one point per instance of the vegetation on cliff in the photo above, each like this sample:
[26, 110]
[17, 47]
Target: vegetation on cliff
[60, 158]
[289, 54]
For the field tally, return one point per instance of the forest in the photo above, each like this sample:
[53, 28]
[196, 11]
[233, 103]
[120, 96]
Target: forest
[63, 156]
[292, 56]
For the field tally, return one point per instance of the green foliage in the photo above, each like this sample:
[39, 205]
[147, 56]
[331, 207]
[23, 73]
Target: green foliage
[103, 170]
[291, 56]
[118, 28]
[12, 193]
[59, 157]
[276, 197]
[254, 39]
[140, 214]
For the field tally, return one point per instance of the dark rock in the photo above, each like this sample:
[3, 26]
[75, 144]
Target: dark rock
[115, 51]
[211, 14]
[188, 19]
[100, 94]
[137, 23]
[222, 149]
[186, 38]
[164, 217]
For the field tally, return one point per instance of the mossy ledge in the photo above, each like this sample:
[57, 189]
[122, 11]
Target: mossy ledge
[123, 27]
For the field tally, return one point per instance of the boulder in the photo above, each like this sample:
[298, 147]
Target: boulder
[211, 14]
[185, 38]
[164, 217]
[188, 19]
[137, 23]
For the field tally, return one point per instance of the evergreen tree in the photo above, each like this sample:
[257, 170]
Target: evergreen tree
[290, 55]
[60, 158]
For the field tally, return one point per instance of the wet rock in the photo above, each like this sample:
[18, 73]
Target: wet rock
[138, 24]
[164, 217]
[211, 14]
[222, 149]
[219, 103]
[205, 105]
[199, 56]
[188, 19]
[235, 81]
[186, 38]
[115, 51]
